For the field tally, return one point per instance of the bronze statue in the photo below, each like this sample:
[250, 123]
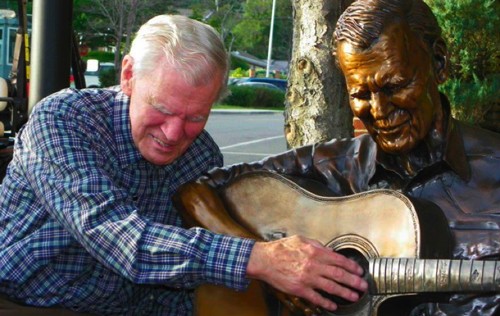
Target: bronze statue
[394, 58]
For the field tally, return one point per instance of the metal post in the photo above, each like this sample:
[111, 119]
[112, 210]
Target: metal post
[51, 48]
[270, 40]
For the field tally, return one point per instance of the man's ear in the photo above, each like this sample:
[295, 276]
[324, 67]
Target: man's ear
[440, 60]
[127, 74]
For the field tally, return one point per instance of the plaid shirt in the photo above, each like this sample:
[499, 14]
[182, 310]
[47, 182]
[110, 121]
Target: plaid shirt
[88, 224]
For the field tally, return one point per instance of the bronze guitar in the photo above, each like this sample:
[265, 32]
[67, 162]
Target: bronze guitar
[403, 243]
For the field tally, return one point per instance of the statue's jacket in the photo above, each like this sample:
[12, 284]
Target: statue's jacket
[460, 173]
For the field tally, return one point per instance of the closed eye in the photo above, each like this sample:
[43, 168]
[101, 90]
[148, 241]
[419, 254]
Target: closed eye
[396, 84]
[197, 119]
[161, 109]
[391, 89]
[361, 95]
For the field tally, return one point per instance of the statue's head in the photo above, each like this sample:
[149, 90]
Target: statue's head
[393, 58]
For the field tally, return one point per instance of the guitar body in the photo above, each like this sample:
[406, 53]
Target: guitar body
[380, 223]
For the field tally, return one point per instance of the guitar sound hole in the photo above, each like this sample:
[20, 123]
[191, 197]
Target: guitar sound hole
[362, 261]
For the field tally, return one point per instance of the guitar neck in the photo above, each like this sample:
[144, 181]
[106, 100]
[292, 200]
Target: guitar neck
[412, 275]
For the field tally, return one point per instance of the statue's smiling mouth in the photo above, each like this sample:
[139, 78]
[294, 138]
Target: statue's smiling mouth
[394, 123]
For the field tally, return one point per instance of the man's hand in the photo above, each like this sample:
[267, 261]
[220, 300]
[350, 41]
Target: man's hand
[302, 267]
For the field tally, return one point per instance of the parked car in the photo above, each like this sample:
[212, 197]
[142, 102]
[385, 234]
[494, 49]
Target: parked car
[232, 81]
[280, 83]
[94, 69]
[258, 85]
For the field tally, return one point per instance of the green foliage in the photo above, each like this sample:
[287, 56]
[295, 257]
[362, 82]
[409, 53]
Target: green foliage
[472, 99]
[105, 23]
[238, 63]
[243, 25]
[252, 33]
[13, 5]
[252, 97]
[238, 73]
[223, 15]
[197, 12]
[100, 56]
[470, 28]
[260, 73]
[107, 77]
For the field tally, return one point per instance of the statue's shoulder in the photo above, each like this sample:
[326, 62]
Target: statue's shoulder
[477, 139]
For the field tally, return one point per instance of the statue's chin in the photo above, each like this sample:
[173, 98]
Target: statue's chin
[399, 146]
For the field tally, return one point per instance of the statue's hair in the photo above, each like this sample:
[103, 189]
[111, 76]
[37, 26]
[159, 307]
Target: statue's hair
[190, 46]
[364, 20]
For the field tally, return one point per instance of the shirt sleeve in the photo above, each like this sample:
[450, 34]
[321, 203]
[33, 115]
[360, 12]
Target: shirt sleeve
[63, 162]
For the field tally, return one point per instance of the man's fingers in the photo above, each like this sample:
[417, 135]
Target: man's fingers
[348, 264]
[339, 290]
[344, 277]
[318, 299]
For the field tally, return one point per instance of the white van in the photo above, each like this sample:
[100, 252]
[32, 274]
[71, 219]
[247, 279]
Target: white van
[94, 68]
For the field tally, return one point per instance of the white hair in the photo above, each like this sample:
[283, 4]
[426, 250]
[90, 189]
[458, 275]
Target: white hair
[188, 45]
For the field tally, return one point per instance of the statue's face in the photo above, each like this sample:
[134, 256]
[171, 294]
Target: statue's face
[392, 88]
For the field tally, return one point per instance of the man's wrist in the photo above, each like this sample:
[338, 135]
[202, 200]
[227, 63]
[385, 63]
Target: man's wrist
[256, 262]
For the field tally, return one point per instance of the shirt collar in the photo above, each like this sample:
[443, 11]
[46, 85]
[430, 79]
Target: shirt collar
[454, 153]
[127, 151]
[450, 152]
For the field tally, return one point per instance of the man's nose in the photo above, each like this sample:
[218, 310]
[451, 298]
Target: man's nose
[173, 129]
[379, 105]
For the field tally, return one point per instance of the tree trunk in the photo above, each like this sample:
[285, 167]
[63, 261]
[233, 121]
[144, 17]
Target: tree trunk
[316, 106]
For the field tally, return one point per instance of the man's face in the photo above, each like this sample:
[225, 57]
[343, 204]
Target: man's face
[392, 88]
[166, 113]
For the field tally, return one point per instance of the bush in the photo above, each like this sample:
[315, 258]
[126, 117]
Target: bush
[254, 97]
[471, 100]
[470, 28]
[238, 73]
[101, 56]
[238, 63]
[107, 77]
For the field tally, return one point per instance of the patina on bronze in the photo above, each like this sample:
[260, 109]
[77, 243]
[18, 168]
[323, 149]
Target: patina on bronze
[394, 58]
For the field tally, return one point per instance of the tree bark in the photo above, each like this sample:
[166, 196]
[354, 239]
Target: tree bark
[316, 106]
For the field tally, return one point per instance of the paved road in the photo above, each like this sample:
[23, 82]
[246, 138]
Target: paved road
[246, 137]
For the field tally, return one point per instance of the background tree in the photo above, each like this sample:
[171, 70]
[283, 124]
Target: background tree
[252, 33]
[316, 107]
[470, 28]
[9, 5]
[113, 22]
[223, 15]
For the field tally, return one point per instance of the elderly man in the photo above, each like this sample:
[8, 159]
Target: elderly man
[393, 58]
[86, 220]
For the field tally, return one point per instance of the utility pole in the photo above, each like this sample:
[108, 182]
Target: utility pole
[269, 51]
[51, 48]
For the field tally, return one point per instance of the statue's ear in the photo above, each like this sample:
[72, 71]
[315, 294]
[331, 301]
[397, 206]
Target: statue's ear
[440, 60]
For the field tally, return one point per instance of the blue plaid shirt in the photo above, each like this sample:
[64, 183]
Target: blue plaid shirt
[88, 224]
